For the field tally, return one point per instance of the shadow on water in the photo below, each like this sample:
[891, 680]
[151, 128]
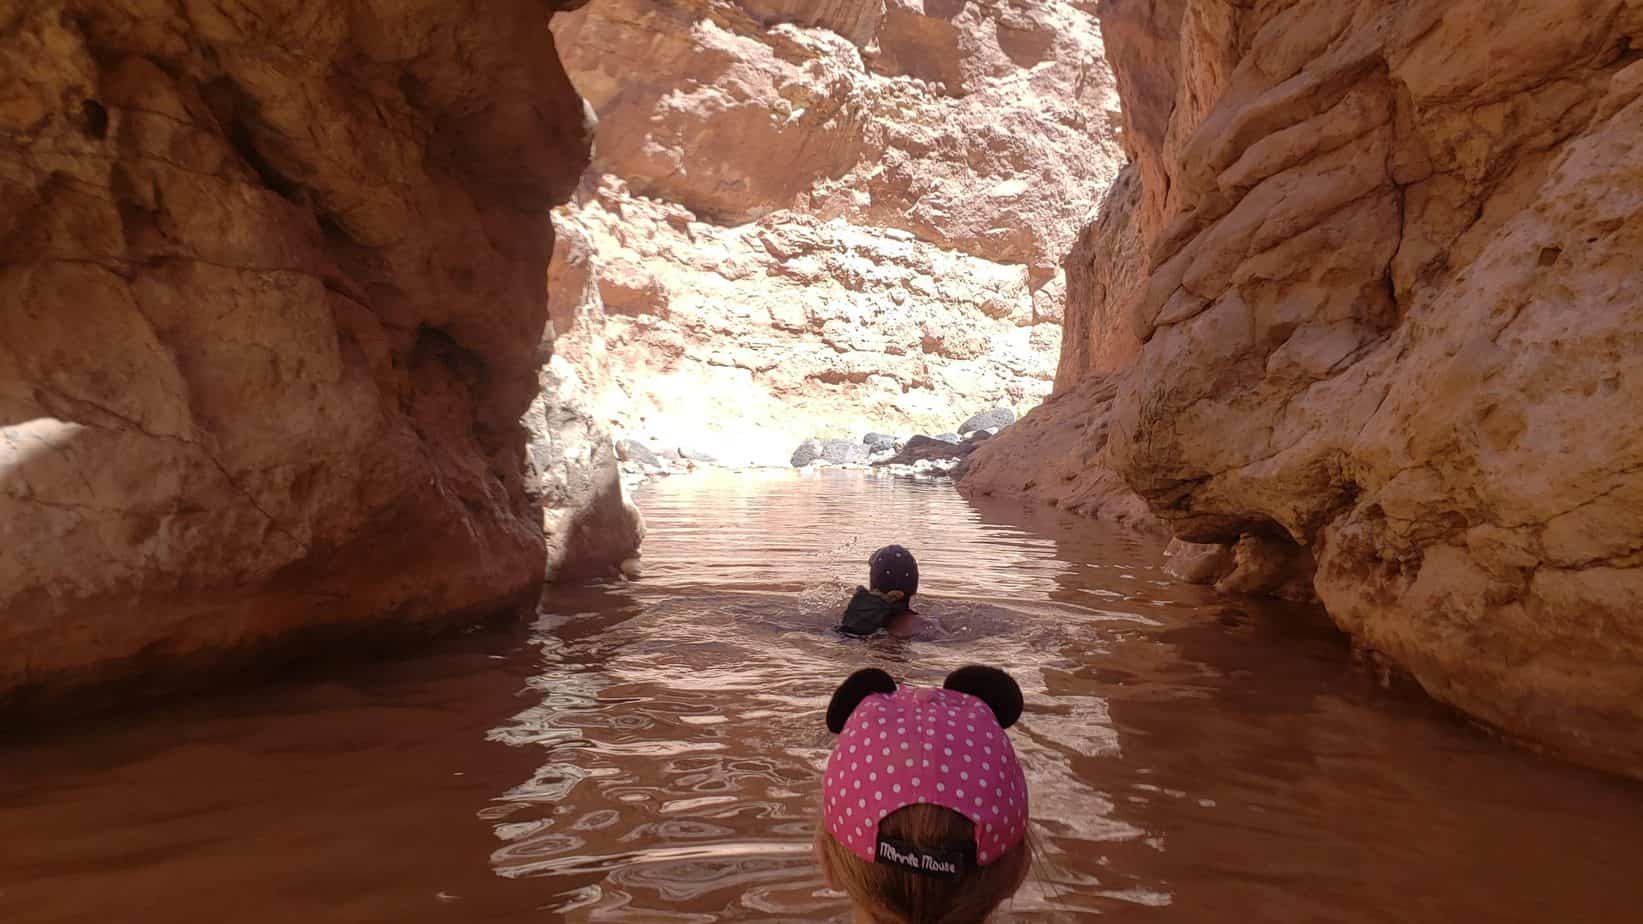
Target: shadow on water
[1277, 778]
[650, 751]
[349, 796]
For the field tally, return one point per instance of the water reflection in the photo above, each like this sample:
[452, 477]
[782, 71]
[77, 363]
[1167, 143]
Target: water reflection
[650, 752]
[1189, 756]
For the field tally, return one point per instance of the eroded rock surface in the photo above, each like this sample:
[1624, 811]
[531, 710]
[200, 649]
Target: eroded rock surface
[270, 306]
[1388, 308]
[832, 217]
[589, 524]
[1057, 454]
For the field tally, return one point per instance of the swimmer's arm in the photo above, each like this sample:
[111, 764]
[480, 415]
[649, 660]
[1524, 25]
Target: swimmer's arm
[907, 625]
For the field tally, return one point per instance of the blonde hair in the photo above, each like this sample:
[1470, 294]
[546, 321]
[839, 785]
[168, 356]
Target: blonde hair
[892, 895]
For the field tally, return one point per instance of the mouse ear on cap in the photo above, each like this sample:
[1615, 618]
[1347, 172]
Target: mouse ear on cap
[993, 687]
[852, 691]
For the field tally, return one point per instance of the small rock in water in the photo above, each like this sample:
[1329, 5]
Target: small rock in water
[927, 449]
[844, 452]
[922, 468]
[1198, 564]
[637, 452]
[809, 451]
[995, 419]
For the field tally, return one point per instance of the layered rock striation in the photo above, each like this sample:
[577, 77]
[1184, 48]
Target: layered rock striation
[829, 217]
[1373, 292]
[270, 309]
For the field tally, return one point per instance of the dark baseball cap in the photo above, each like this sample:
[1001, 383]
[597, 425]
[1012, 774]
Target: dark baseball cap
[893, 568]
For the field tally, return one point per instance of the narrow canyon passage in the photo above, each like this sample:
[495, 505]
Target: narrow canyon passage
[819, 220]
[648, 752]
[1256, 382]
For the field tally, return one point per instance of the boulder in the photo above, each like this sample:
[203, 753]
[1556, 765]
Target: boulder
[589, 525]
[637, 452]
[1271, 567]
[996, 419]
[844, 452]
[1198, 563]
[809, 451]
[928, 449]
[879, 441]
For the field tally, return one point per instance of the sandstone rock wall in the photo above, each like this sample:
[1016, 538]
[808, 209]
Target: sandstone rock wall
[1057, 454]
[1391, 311]
[828, 218]
[270, 309]
[589, 524]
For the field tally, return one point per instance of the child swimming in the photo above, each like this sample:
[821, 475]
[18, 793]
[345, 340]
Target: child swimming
[924, 806]
[887, 600]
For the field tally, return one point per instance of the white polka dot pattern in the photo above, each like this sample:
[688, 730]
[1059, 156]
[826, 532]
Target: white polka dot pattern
[928, 717]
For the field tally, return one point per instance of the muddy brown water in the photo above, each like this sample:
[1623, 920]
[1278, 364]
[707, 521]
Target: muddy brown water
[649, 752]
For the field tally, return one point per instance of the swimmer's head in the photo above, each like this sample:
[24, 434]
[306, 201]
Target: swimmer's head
[924, 805]
[893, 568]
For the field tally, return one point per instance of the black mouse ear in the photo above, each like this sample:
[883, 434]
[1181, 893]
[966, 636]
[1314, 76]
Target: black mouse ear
[993, 687]
[852, 691]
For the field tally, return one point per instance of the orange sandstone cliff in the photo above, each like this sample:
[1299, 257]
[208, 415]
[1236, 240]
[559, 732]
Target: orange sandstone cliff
[270, 309]
[821, 219]
[1370, 289]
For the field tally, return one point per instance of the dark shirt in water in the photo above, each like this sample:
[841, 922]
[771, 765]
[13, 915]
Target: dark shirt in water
[869, 611]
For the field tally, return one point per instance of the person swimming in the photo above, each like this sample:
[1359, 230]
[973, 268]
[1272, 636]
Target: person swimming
[887, 600]
[924, 810]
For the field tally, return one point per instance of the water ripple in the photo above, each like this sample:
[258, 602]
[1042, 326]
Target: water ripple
[649, 752]
[678, 717]
[703, 708]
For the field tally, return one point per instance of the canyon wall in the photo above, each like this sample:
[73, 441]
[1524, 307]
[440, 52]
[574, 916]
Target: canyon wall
[826, 218]
[271, 305]
[1390, 310]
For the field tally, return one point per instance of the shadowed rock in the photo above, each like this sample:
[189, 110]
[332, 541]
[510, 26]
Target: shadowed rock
[928, 449]
[270, 304]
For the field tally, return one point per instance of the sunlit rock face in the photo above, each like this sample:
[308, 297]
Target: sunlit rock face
[823, 219]
[1057, 455]
[1380, 271]
[270, 309]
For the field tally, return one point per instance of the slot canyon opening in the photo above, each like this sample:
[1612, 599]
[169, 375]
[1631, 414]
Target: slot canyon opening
[1188, 347]
[795, 245]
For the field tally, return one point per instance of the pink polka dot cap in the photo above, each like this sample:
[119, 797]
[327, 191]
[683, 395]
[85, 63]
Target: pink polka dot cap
[946, 747]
